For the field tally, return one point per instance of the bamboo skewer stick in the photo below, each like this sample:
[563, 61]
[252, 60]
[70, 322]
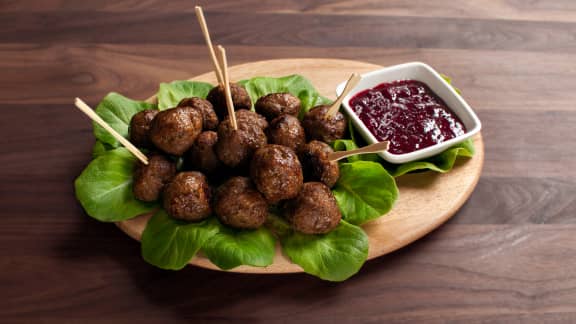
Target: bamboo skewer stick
[229, 103]
[206, 33]
[350, 84]
[92, 114]
[372, 148]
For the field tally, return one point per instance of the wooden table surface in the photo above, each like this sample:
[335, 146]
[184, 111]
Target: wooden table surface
[508, 256]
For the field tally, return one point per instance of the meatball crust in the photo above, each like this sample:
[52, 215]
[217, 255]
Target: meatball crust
[140, 128]
[236, 147]
[149, 180]
[237, 203]
[209, 119]
[201, 155]
[187, 197]
[277, 173]
[240, 99]
[318, 127]
[276, 104]
[314, 210]
[286, 130]
[175, 130]
[251, 117]
[315, 163]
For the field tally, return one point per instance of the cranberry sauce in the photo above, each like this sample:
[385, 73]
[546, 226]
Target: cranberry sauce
[406, 113]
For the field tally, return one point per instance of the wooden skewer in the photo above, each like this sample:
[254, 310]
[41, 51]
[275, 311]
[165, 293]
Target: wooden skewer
[352, 82]
[229, 103]
[206, 33]
[372, 148]
[90, 113]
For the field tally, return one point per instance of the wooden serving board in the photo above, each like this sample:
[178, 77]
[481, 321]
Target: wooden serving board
[426, 200]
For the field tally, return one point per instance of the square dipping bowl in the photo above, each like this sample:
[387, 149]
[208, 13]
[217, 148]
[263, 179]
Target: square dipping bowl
[420, 72]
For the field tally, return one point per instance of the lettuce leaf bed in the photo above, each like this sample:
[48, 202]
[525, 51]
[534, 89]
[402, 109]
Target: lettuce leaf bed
[365, 191]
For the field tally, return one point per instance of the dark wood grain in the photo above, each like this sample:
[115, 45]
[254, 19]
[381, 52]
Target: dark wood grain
[436, 279]
[271, 29]
[558, 10]
[91, 71]
[508, 256]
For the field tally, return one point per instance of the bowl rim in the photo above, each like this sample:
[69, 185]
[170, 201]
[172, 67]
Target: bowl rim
[439, 81]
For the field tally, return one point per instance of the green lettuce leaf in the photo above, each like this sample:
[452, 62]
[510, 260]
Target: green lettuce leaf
[117, 111]
[364, 191]
[335, 256]
[346, 145]
[442, 162]
[278, 224]
[170, 94]
[294, 84]
[104, 188]
[170, 244]
[449, 80]
[100, 148]
[230, 247]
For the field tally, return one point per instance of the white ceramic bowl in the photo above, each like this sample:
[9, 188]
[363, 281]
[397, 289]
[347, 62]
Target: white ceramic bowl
[420, 72]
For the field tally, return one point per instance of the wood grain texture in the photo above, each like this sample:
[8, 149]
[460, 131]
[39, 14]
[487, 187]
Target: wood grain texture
[506, 257]
[272, 29]
[558, 10]
[435, 280]
[494, 80]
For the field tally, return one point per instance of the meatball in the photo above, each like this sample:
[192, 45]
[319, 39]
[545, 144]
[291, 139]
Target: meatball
[240, 99]
[209, 119]
[318, 127]
[251, 117]
[237, 203]
[315, 163]
[314, 210]
[187, 197]
[201, 155]
[276, 104]
[140, 128]
[286, 130]
[277, 173]
[149, 180]
[236, 147]
[175, 130]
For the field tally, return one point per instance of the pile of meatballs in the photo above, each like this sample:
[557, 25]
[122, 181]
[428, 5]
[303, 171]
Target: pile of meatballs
[272, 158]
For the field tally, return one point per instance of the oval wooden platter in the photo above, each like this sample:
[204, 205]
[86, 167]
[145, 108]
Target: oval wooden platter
[426, 200]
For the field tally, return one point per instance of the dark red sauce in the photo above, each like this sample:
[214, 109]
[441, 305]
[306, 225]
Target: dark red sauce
[408, 114]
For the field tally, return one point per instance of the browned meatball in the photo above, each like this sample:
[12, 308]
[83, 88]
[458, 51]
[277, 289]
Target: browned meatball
[314, 211]
[140, 128]
[175, 130]
[209, 118]
[236, 147]
[239, 204]
[315, 163]
[276, 104]
[286, 130]
[240, 99]
[149, 180]
[187, 197]
[277, 173]
[318, 127]
[201, 155]
[251, 117]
